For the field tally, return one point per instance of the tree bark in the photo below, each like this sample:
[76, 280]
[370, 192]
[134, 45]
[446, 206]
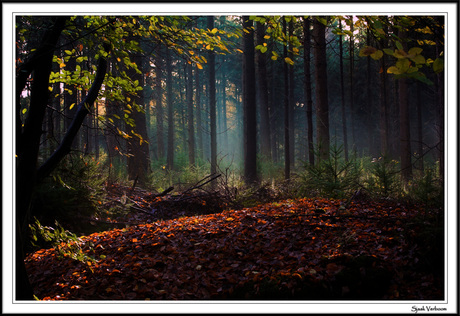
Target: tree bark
[287, 111]
[342, 93]
[199, 124]
[159, 104]
[322, 105]
[249, 103]
[265, 144]
[404, 125]
[190, 119]
[138, 145]
[307, 88]
[212, 103]
[169, 96]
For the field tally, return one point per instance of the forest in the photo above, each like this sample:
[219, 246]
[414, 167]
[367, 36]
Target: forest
[229, 157]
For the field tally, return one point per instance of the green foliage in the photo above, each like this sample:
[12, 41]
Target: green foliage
[74, 190]
[66, 244]
[333, 177]
[426, 188]
[383, 179]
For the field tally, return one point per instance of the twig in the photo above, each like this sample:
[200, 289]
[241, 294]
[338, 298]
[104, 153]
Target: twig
[164, 192]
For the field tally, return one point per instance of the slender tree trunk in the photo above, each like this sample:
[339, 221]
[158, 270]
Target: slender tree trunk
[419, 128]
[352, 99]
[169, 96]
[307, 88]
[440, 110]
[322, 105]
[159, 104]
[190, 119]
[404, 125]
[342, 92]
[212, 103]
[384, 131]
[249, 103]
[287, 110]
[265, 143]
[199, 126]
[291, 100]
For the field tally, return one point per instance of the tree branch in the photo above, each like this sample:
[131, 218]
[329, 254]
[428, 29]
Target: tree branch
[82, 111]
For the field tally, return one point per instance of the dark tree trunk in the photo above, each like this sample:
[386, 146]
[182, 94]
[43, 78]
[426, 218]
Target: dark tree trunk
[287, 111]
[249, 103]
[265, 143]
[342, 93]
[212, 103]
[384, 132]
[404, 126]
[307, 88]
[159, 104]
[199, 124]
[169, 96]
[190, 119]
[352, 87]
[291, 100]
[138, 146]
[322, 105]
[419, 128]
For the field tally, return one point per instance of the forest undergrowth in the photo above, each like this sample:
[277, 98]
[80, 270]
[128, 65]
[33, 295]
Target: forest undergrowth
[200, 244]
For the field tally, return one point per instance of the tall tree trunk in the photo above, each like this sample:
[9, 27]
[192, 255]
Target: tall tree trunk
[265, 143]
[190, 119]
[307, 88]
[342, 93]
[138, 146]
[291, 99]
[384, 132]
[159, 104]
[440, 108]
[212, 103]
[404, 125]
[199, 124]
[322, 105]
[419, 127]
[352, 91]
[169, 96]
[287, 110]
[249, 103]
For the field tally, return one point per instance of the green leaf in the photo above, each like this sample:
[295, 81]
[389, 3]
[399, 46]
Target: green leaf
[263, 49]
[399, 53]
[388, 51]
[377, 55]
[419, 59]
[415, 51]
[80, 59]
[403, 65]
[322, 20]
[68, 52]
[438, 65]
[399, 45]
[393, 70]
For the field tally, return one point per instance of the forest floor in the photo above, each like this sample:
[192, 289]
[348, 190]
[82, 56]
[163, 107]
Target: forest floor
[190, 247]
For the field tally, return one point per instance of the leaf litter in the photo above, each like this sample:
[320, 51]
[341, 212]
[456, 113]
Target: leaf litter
[281, 250]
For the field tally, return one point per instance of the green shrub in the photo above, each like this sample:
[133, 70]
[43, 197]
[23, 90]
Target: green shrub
[383, 179]
[66, 244]
[334, 177]
[74, 190]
